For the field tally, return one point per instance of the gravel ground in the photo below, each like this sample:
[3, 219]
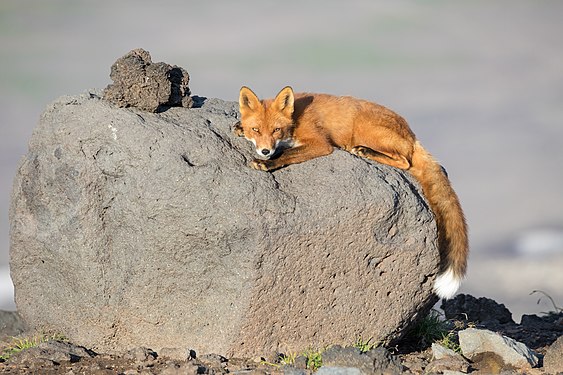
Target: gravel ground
[412, 355]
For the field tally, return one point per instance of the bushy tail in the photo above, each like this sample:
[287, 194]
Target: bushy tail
[452, 229]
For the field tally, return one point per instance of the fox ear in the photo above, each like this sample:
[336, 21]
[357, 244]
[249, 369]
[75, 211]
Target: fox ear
[284, 101]
[248, 101]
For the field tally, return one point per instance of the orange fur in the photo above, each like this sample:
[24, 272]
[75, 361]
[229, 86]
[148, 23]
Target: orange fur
[305, 126]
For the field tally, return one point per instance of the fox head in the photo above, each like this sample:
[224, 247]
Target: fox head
[268, 123]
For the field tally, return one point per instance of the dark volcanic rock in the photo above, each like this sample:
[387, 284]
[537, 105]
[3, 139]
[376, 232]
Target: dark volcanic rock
[534, 331]
[537, 331]
[134, 229]
[138, 82]
[467, 307]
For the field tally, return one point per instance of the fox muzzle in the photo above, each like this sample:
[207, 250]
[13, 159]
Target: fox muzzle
[265, 152]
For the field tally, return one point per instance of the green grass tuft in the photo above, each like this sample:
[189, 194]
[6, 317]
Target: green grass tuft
[365, 345]
[431, 329]
[450, 341]
[288, 359]
[314, 359]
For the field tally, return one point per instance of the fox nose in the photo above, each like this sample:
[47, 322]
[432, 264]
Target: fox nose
[265, 152]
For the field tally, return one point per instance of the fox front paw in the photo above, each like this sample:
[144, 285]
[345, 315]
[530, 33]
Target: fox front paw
[359, 151]
[261, 165]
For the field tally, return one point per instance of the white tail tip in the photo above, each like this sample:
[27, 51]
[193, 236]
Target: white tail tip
[447, 284]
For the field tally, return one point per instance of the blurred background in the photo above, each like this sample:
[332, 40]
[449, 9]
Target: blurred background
[480, 82]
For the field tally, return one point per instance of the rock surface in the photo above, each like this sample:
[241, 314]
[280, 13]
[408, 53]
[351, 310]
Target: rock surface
[138, 82]
[135, 229]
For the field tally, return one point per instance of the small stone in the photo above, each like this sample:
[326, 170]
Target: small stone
[416, 364]
[328, 370]
[214, 361]
[31, 355]
[452, 363]
[384, 361]
[65, 350]
[240, 365]
[213, 358]
[300, 362]
[513, 353]
[337, 356]
[140, 354]
[490, 363]
[185, 368]
[379, 360]
[440, 352]
[176, 353]
[291, 370]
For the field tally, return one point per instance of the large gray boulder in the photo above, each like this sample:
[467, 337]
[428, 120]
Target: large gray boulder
[130, 228]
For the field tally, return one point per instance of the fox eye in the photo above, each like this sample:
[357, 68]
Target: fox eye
[255, 130]
[277, 130]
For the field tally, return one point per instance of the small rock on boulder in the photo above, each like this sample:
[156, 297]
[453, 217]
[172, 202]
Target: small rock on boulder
[138, 82]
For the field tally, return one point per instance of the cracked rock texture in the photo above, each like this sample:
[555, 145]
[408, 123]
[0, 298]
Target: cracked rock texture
[136, 229]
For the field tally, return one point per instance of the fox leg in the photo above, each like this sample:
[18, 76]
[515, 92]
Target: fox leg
[298, 154]
[393, 159]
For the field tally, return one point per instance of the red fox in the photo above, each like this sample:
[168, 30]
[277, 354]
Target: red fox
[293, 128]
